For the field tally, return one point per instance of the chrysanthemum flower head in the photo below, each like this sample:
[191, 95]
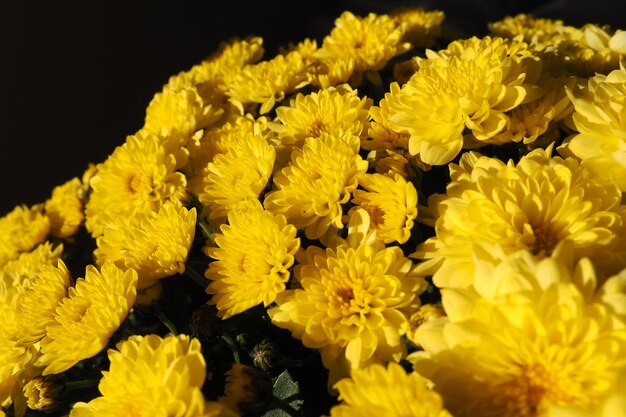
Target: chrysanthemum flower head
[540, 337]
[391, 202]
[583, 52]
[387, 391]
[539, 33]
[369, 41]
[533, 205]
[220, 139]
[85, 320]
[65, 208]
[36, 305]
[599, 119]
[330, 71]
[423, 26]
[152, 376]
[230, 57]
[155, 244]
[248, 390]
[237, 176]
[251, 261]
[380, 134]
[471, 85]
[310, 190]
[13, 357]
[334, 110]
[21, 271]
[612, 405]
[21, 230]
[353, 302]
[529, 121]
[268, 82]
[179, 112]
[42, 393]
[138, 176]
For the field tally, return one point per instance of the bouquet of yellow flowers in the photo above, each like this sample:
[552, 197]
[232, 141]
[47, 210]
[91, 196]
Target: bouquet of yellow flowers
[389, 221]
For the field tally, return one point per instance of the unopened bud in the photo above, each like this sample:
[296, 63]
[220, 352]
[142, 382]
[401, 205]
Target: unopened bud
[41, 393]
[264, 354]
[425, 313]
[248, 390]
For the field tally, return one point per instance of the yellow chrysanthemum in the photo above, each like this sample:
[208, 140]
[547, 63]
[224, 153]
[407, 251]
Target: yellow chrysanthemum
[539, 33]
[534, 334]
[21, 230]
[152, 376]
[255, 251]
[155, 244]
[138, 176]
[567, 50]
[404, 70]
[237, 177]
[423, 26]
[391, 202]
[42, 393]
[381, 135]
[529, 121]
[21, 271]
[370, 41]
[36, 305]
[85, 320]
[268, 82]
[219, 140]
[389, 392]
[613, 405]
[65, 208]
[180, 112]
[354, 301]
[231, 57]
[389, 163]
[533, 205]
[599, 119]
[331, 71]
[248, 390]
[334, 110]
[468, 86]
[310, 191]
[14, 358]
[27, 302]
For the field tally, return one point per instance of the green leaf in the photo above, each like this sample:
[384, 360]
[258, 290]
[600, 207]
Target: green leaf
[286, 390]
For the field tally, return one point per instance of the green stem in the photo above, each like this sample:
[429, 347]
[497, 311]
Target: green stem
[286, 407]
[232, 346]
[74, 385]
[167, 322]
[206, 229]
[195, 275]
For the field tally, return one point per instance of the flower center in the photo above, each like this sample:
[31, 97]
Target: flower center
[317, 127]
[345, 296]
[545, 241]
[534, 389]
[136, 183]
[237, 180]
[377, 215]
[79, 309]
[246, 264]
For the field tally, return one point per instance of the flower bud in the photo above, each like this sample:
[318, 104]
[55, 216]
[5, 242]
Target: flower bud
[41, 393]
[205, 325]
[248, 390]
[425, 313]
[264, 354]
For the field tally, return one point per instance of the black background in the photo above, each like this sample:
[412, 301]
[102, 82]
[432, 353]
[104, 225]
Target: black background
[76, 76]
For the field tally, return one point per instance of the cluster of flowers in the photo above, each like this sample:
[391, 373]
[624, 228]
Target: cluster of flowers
[435, 226]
